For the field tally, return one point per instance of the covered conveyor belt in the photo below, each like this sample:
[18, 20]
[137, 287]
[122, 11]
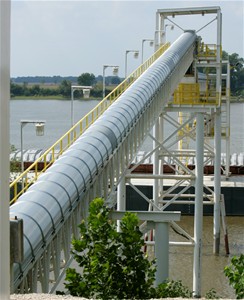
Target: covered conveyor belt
[48, 204]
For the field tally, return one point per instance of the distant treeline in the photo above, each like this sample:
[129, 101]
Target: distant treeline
[57, 86]
[43, 79]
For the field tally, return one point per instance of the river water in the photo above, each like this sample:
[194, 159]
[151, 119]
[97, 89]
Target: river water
[57, 114]
[181, 258]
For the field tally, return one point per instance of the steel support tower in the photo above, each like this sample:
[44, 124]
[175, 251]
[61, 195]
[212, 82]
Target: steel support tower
[195, 112]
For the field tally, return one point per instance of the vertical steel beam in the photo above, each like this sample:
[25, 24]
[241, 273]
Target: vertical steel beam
[162, 251]
[227, 165]
[4, 150]
[155, 162]
[121, 200]
[198, 218]
[157, 32]
[161, 160]
[162, 30]
[121, 194]
[217, 140]
[217, 179]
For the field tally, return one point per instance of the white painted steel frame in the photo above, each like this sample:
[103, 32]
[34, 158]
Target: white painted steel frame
[227, 132]
[198, 215]
[217, 139]
[161, 16]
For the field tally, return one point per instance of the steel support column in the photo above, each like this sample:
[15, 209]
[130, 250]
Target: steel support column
[227, 165]
[121, 195]
[161, 160]
[121, 198]
[198, 218]
[155, 162]
[162, 251]
[217, 179]
[217, 140]
[4, 150]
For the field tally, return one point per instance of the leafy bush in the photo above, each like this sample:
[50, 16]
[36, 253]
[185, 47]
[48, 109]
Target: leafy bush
[172, 289]
[235, 273]
[212, 294]
[113, 264]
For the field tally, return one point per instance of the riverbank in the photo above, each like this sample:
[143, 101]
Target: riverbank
[57, 97]
[60, 97]
[236, 100]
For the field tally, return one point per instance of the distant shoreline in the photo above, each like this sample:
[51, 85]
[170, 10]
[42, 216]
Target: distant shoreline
[49, 98]
[237, 100]
[232, 100]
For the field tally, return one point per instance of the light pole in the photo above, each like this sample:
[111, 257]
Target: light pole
[151, 42]
[86, 93]
[136, 54]
[165, 27]
[115, 73]
[39, 124]
[163, 33]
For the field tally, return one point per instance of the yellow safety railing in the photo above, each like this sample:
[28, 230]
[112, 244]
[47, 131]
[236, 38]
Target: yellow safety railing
[208, 50]
[30, 175]
[189, 94]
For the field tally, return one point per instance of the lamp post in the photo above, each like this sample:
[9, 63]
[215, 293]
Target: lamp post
[163, 33]
[115, 73]
[136, 54]
[39, 124]
[151, 42]
[86, 93]
[165, 27]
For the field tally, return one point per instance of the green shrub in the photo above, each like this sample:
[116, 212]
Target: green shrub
[172, 289]
[212, 294]
[113, 264]
[235, 273]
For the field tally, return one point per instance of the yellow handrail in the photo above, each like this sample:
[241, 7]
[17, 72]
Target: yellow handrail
[208, 50]
[30, 175]
[189, 94]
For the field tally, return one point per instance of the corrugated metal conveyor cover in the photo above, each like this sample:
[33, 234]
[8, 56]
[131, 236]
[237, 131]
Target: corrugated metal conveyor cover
[49, 201]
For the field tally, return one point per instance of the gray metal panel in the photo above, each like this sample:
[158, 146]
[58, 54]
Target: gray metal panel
[71, 179]
[99, 139]
[82, 161]
[107, 131]
[59, 198]
[115, 123]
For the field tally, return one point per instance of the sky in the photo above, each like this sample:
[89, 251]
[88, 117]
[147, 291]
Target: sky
[68, 38]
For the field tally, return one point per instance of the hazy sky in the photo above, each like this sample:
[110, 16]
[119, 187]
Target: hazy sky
[72, 37]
